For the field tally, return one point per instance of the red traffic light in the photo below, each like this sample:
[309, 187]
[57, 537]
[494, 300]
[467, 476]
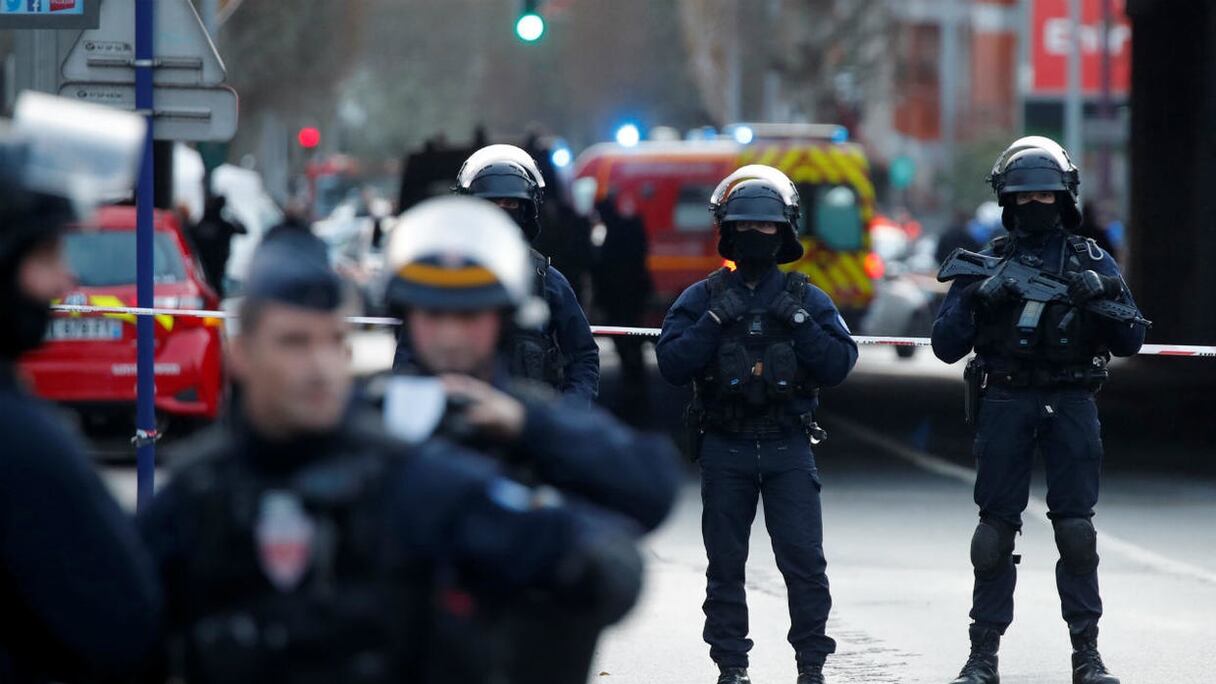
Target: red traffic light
[309, 137]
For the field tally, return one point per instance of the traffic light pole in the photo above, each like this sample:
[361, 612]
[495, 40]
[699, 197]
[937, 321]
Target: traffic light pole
[145, 391]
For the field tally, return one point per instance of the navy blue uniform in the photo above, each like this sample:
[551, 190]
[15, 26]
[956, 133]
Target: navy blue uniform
[567, 325]
[589, 458]
[740, 467]
[1022, 412]
[78, 593]
[586, 452]
[363, 612]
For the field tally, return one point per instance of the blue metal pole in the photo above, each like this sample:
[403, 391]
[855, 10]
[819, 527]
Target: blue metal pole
[145, 392]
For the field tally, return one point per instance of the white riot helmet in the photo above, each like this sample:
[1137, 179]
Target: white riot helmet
[462, 254]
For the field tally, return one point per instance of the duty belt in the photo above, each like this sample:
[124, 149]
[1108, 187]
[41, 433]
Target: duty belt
[764, 426]
[1080, 376]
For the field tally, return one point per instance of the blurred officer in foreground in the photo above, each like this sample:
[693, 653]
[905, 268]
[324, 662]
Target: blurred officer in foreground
[757, 344]
[461, 280]
[298, 542]
[560, 352]
[1039, 366]
[78, 595]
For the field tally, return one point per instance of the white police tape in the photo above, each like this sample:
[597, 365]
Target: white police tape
[603, 330]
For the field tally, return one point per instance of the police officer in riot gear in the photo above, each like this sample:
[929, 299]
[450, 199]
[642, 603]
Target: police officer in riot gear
[300, 542]
[757, 344]
[79, 598]
[1040, 365]
[562, 352]
[442, 254]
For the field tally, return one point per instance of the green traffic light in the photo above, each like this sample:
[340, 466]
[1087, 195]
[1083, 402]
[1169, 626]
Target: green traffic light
[530, 27]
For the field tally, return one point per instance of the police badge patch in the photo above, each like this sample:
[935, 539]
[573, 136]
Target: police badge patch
[284, 537]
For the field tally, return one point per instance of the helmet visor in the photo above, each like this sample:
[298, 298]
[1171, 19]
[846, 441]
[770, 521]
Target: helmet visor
[492, 154]
[770, 209]
[780, 182]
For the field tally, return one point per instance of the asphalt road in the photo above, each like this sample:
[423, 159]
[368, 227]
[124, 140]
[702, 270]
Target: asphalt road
[898, 521]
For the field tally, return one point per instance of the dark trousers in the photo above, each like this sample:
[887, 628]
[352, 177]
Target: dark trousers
[735, 474]
[1063, 426]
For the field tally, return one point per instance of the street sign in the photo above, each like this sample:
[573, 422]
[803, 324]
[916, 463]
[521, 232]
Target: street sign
[185, 55]
[49, 14]
[1052, 37]
[181, 113]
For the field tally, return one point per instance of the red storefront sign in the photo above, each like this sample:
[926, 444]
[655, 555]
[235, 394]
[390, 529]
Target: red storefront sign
[1052, 38]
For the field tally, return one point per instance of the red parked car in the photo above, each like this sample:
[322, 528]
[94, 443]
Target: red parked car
[88, 361]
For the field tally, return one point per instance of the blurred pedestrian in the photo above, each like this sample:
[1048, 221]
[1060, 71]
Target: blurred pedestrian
[623, 288]
[957, 236]
[212, 236]
[1092, 228]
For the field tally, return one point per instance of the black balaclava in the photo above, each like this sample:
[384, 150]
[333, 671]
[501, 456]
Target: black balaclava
[27, 319]
[28, 221]
[1036, 221]
[755, 252]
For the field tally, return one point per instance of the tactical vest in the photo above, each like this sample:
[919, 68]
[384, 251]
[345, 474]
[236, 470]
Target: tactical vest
[358, 612]
[535, 354]
[755, 373]
[1054, 334]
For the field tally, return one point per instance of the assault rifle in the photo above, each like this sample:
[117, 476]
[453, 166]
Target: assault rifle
[1031, 283]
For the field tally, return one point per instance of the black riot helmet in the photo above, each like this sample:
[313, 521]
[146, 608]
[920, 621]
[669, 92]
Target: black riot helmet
[757, 193]
[1037, 164]
[506, 172]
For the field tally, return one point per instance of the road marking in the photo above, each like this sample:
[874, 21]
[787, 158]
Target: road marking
[1036, 506]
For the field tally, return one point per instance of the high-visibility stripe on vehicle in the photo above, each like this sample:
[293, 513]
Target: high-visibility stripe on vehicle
[679, 262]
[853, 173]
[825, 164]
[850, 262]
[113, 302]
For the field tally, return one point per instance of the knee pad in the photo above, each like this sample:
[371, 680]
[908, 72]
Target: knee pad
[1077, 541]
[991, 548]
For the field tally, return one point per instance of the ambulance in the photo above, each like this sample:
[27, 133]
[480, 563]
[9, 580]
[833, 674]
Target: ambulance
[670, 182]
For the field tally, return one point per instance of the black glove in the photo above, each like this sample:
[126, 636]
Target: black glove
[1088, 285]
[993, 290]
[787, 309]
[728, 307]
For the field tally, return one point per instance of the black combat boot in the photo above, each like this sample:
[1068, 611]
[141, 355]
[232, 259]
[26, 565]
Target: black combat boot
[734, 675]
[981, 664]
[1087, 666]
[811, 673]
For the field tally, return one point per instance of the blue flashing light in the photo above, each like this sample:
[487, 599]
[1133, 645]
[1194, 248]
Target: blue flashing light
[628, 135]
[561, 157]
[744, 135]
[840, 135]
